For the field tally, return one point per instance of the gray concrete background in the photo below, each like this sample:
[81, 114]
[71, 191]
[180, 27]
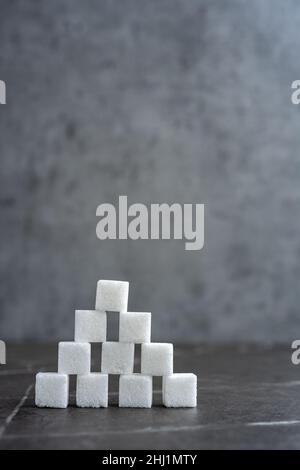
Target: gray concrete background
[164, 101]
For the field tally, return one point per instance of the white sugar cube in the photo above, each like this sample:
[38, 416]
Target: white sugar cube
[51, 390]
[135, 391]
[117, 358]
[112, 296]
[74, 358]
[92, 390]
[135, 327]
[157, 359]
[90, 326]
[180, 390]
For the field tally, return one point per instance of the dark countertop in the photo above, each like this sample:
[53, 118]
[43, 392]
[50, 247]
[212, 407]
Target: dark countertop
[248, 397]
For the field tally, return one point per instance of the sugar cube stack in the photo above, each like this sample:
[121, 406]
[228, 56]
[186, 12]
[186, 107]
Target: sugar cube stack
[117, 357]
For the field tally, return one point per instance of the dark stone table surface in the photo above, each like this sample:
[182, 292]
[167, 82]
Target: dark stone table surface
[248, 398]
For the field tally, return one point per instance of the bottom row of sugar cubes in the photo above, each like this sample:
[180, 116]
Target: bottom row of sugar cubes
[135, 390]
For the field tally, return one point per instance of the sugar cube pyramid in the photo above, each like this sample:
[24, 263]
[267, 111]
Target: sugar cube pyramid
[135, 389]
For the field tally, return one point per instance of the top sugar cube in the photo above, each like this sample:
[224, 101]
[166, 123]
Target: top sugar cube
[112, 296]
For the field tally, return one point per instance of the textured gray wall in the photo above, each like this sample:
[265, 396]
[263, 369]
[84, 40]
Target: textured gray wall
[165, 101]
